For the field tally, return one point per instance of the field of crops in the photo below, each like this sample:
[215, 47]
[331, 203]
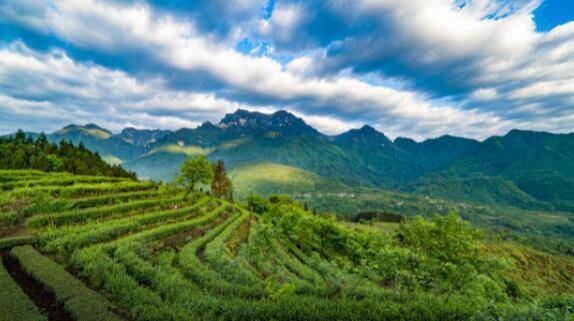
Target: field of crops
[99, 248]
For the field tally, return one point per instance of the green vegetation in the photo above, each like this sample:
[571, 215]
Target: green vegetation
[481, 190]
[9, 242]
[162, 252]
[271, 178]
[547, 230]
[81, 302]
[21, 152]
[195, 170]
[14, 304]
[185, 150]
[221, 186]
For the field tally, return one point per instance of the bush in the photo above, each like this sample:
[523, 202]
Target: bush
[257, 204]
[81, 302]
[14, 303]
[10, 242]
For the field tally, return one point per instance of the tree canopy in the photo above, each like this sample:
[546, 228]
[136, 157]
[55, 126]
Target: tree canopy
[194, 171]
[21, 151]
[221, 185]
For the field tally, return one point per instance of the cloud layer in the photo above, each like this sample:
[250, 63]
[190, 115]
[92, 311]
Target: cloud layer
[417, 68]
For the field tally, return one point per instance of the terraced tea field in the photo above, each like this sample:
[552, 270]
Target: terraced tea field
[156, 253]
[98, 248]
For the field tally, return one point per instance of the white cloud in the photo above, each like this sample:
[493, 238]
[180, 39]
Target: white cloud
[284, 23]
[53, 89]
[486, 54]
[484, 94]
[498, 61]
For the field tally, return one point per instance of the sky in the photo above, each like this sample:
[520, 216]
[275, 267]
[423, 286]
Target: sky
[417, 68]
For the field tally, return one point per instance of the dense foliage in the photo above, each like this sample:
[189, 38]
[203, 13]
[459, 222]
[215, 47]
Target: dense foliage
[160, 252]
[221, 185]
[80, 301]
[22, 152]
[547, 230]
[14, 304]
[194, 171]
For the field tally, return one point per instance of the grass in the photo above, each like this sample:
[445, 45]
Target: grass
[540, 273]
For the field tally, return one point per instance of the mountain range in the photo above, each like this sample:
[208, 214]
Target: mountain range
[524, 169]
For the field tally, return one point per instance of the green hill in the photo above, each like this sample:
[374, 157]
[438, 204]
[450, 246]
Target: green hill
[269, 178]
[482, 190]
[538, 164]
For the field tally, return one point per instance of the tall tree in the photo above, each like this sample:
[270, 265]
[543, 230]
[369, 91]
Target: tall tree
[221, 184]
[195, 170]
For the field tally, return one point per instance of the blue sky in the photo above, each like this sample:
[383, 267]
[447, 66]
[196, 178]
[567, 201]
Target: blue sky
[418, 68]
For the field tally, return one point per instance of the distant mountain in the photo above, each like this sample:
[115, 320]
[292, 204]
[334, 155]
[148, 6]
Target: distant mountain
[279, 123]
[387, 164]
[436, 153]
[97, 139]
[205, 135]
[364, 138]
[142, 137]
[523, 169]
[539, 164]
[73, 132]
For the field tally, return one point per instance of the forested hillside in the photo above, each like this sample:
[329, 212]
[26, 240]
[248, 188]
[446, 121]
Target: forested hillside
[23, 152]
[538, 166]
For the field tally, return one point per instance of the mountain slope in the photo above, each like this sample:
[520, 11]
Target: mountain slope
[435, 153]
[142, 137]
[539, 164]
[524, 169]
[98, 140]
[270, 178]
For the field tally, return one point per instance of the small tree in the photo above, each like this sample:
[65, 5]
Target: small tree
[195, 170]
[221, 184]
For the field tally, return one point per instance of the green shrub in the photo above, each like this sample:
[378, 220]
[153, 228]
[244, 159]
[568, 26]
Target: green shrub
[81, 302]
[14, 303]
[8, 219]
[10, 242]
